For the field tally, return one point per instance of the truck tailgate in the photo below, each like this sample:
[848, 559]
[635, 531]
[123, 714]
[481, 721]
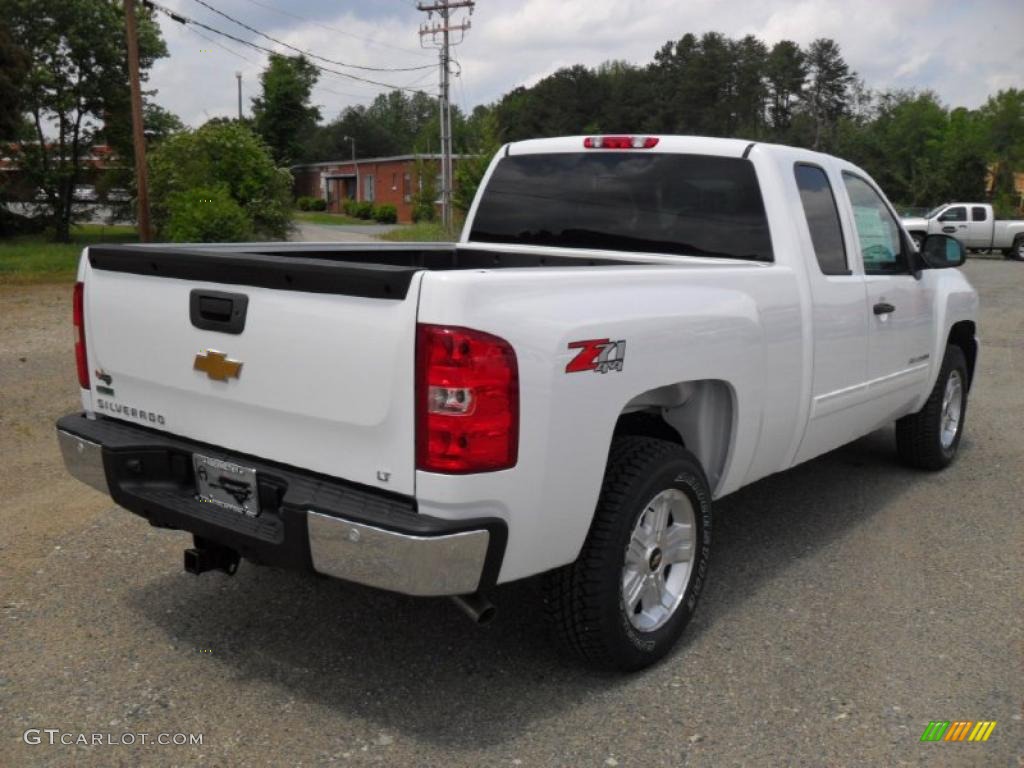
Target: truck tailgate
[327, 356]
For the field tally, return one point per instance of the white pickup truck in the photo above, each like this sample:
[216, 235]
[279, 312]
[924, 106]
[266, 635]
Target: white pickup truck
[974, 225]
[629, 328]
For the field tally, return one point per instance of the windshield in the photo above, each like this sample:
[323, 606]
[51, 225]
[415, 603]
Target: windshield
[695, 205]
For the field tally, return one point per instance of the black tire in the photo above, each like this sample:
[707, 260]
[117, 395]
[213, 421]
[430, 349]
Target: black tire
[584, 600]
[1016, 253]
[919, 435]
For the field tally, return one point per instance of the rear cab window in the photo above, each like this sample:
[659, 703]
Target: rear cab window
[978, 213]
[822, 214]
[695, 205]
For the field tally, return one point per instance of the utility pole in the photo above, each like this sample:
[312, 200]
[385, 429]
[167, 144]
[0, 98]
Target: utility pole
[138, 133]
[440, 35]
[238, 76]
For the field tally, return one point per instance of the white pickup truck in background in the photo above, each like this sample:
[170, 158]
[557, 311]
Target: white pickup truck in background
[974, 225]
[629, 328]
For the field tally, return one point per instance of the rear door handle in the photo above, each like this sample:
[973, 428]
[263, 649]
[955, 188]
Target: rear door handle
[884, 308]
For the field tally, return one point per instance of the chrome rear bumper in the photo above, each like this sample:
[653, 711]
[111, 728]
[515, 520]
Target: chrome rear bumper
[415, 565]
[84, 460]
[328, 526]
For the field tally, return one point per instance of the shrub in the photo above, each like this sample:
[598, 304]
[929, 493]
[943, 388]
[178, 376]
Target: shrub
[227, 156]
[423, 212]
[364, 209]
[386, 214]
[317, 204]
[303, 202]
[205, 215]
[349, 206]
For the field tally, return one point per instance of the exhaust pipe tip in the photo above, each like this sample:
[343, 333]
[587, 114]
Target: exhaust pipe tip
[479, 609]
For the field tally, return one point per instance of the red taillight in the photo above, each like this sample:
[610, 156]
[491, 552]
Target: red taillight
[620, 142]
[78, 317]
[467, 401]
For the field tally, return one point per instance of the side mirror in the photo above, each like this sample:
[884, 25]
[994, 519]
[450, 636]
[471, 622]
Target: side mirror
[941, 251]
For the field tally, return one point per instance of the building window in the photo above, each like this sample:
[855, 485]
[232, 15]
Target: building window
[368, 188]
[407, 187]
[394, 182]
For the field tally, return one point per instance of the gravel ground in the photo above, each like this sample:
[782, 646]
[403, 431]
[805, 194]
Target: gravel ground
[851, 602]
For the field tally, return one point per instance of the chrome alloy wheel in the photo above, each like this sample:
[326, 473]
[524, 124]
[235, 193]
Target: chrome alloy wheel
[952, 406]
[659, 560]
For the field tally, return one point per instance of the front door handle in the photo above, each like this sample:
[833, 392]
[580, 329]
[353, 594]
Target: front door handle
[884, 308]
[949, 230]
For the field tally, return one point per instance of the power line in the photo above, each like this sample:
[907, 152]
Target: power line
[210, 40]
[309, 53]
[322, 25]
[347, 75]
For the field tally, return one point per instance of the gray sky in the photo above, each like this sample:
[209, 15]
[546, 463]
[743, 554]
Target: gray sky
[965, 51]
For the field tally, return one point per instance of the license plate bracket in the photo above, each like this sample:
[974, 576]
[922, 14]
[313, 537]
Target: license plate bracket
[226, 484]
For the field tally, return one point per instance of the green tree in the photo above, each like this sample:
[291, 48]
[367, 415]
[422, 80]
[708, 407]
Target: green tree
[395, 123]
[78, 74]
[282, 115]
[14, 66]
[1004, 117]
[786, 73]
[224, 160]
[825, 97]
[159, 124]
[206, 215]
[964, 157]
[902, 146]
[749, 91]
[470, 170]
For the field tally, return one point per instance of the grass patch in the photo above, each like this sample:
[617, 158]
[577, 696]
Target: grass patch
[421, 232]
[37, 259]
[330, 219]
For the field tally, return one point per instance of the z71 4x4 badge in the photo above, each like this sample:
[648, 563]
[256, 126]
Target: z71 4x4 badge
[600, 355]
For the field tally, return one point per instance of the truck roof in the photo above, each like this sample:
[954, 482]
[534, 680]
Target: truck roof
[699, 145]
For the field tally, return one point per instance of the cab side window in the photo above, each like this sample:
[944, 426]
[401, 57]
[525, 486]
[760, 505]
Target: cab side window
[959, 213]
[978, 213]
[881, 244]
[822, 219]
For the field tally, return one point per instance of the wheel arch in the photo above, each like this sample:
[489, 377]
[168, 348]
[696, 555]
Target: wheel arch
[699, 415]
[962, 334]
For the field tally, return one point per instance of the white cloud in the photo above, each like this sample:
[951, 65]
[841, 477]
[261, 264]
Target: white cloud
[964, 52]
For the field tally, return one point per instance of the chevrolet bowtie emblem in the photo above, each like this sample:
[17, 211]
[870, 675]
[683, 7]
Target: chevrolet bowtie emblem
[216, 365]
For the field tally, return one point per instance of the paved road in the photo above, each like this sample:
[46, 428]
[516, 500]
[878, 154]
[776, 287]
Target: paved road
[335, 233]
[852, 601]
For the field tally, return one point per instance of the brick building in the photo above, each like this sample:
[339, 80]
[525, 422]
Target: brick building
[380, 180]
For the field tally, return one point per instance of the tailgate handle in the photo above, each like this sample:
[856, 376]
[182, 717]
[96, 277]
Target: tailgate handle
[218, 311]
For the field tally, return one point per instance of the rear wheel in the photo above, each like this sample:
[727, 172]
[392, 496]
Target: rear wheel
[929, 438]
[628, 597]
[1017, 251]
